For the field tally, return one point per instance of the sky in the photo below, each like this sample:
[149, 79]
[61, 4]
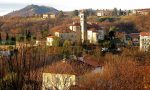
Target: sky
[7, 6]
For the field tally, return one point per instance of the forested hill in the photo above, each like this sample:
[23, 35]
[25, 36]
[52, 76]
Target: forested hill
[33, 9]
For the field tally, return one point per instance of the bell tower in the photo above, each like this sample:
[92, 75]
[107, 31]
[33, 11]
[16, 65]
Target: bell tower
[83, 24]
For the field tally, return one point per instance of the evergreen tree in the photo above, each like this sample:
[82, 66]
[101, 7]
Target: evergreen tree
[120, 12]
[66, 49]
[56, 41]
[60, 14]
[28, 36]
[115, 12]
[112, 32]
[7, 37]
[75, 13]
[0, 37]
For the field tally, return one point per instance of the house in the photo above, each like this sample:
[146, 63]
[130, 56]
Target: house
[94, 32]
[65, 74]
[96, 67]
[144, 41]
[101, 34]
[104, 12]
[141, 11]
[53, 16]
[66, 34]
[48, 15]
[75, 26]
[53, 81]
[132, 39]
[92, 36]
[49, 40]
[135, 37]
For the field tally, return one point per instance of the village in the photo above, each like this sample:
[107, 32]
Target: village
[79, 55]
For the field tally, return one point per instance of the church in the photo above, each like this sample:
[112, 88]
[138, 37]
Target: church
[79, 32]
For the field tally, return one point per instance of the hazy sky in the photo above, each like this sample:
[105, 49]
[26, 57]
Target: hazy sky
[67, 5]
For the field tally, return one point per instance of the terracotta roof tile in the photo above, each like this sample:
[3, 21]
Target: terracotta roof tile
[90, 61]
[145, 33]
[76, 24]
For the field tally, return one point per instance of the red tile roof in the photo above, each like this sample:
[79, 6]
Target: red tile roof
[146, 9]
[145, 33]
[90, 61]
[69, 67]
[134, 35]
[76, 24]
[93, 25]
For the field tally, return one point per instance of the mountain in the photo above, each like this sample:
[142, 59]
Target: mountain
[33, 9]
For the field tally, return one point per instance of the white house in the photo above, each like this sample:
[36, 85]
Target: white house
[66, 35]
[57, 81]
[92, 36]
[49, 16]
[75, 27]
[144, 41]
[49, 41]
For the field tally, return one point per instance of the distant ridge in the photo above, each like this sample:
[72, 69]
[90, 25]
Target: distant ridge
[31, 10]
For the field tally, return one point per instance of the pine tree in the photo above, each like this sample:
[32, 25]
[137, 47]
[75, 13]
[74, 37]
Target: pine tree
[7, 37]
[115, 12]
[0, 37]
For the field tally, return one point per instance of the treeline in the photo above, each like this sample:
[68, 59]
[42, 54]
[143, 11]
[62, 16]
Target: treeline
[20, 26]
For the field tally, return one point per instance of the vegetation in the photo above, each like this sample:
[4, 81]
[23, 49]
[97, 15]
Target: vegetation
[124, 71]
[22, 70]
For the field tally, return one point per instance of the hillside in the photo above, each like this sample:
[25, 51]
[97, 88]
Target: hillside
[33, 9]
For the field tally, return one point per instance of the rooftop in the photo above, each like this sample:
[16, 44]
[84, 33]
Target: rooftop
[134, 35]
[76, 24]
[145, 33]
[146, 9]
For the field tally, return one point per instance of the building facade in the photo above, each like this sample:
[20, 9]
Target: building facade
[66, 35]
[49, 41]
[49, 16]
[57, 81]
[104, 12]
[144, 41]
[141, 11]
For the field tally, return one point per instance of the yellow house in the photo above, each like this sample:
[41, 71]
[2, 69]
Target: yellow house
[66, 35]
[53, 81]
